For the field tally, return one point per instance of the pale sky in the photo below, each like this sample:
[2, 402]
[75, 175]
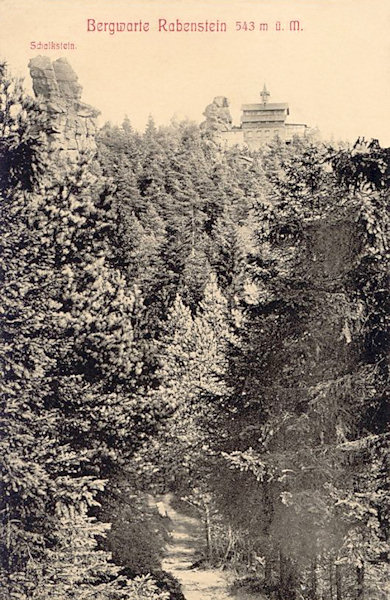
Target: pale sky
[335, 73]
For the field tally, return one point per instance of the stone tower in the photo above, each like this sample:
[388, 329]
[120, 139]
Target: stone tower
[261, 122]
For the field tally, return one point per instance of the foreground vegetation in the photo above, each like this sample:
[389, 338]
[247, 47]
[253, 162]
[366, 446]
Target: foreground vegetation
[206, 322]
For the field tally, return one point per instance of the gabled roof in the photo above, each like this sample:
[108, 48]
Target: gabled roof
[265, 107]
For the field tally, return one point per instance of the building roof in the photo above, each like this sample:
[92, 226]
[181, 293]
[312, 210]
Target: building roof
[265, 107]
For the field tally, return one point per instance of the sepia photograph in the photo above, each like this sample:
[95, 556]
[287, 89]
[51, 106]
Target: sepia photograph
[194, 299]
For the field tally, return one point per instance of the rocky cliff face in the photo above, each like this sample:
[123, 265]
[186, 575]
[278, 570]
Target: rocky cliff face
[218, 117]
[73, 123]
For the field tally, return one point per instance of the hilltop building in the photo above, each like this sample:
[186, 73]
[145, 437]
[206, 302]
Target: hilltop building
[260, 122]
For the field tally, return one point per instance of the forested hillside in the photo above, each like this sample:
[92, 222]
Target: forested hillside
[210, 323]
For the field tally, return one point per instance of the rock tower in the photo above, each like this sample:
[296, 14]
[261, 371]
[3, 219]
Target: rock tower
[218, 117]
[73, 123]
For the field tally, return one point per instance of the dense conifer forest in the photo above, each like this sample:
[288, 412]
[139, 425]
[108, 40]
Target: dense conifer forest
[210, 323]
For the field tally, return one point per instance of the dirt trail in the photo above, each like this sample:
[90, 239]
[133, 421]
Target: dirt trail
[181, 553]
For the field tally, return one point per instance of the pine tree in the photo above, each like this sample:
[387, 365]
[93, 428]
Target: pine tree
[73, 363]
[303, 384]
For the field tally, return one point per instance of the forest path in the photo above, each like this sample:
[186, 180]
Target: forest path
[182, 553]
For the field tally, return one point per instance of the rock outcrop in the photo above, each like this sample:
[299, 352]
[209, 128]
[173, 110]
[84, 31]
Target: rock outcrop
[72, 123]
[218, 117]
